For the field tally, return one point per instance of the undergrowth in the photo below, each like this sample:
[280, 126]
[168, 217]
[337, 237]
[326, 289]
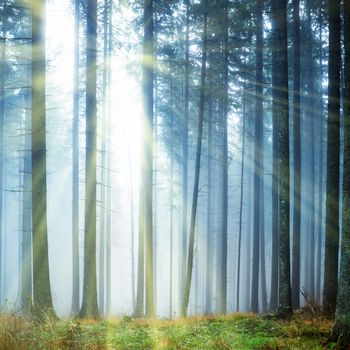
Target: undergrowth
[236, 331]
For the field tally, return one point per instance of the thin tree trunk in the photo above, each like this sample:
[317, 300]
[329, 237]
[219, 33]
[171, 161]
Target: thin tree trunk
[109, 165]
[209, 223]
[75, 167]
[103, 152]
[311, 117]
[257, 157]
[297, 157]
[26, 256]
[89, 307]
[241, 205]
[139, 310]
[224, 151]
[262, 249]
[183, 248]
[320, 181]
[2, 126]
[148, 85]
[189, 268]
[275, 212]
[171, 200]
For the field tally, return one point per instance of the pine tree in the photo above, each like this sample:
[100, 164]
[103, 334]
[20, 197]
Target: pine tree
[280, 83]
[341, 329]
[41, 274]
[89, 308]
[189, 267]
[333, 162]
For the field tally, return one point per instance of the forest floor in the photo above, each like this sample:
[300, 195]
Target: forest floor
[236, 331]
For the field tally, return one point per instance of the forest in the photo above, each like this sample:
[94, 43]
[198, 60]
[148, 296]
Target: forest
[174, 174]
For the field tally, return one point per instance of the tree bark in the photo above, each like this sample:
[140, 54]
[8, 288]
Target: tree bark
[241, 205]
[341, 329]
[89, 308]
[148, 85]
[183, 247]
[297, 157]
[75, 167]
[41, 274]
[257, 156]
[224, 165]
[2, 126]
[189, 268]
[333, 162]
[26, 256]
[280, 83]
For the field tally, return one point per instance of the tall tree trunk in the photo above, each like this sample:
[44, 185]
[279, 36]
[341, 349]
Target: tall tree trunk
[75, 166]
[109, 165]
[224, 153]
[26, 256]
[189, 268]
[257, 156]
[41, 274]
[333, 162]
[311, 121]
[139, 309]
[209, 223]
[171, 199]
[89, 307]
[280, 83]
[320, 177]
[241, 205]
[341, 329]
[296, 156]
[275, 224]
[2, 126]
[262, 246]
[148, 84]
[103, 174]
[183, 248]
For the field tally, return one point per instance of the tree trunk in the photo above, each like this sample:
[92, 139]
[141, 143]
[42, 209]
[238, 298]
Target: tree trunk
[75, 166]
[257, 156]
[103, 174]
[140, 308]
[320, 179]
[224, 153]
[171, 199]
[41, 274]
[333, 162]
[148, 84]
[26, 256]
[189, 268]
[241, 205]
[275, 212]
[2, 125]
[183, 247]
[311, 121]
[341, 329]
[297, 157]
[209, 219]
[280, 83]
[109, 165]
[89, 307]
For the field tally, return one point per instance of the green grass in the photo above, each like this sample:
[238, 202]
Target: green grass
[236, 331]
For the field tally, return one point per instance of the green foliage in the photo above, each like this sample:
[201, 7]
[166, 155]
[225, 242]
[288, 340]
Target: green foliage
[238, 331]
